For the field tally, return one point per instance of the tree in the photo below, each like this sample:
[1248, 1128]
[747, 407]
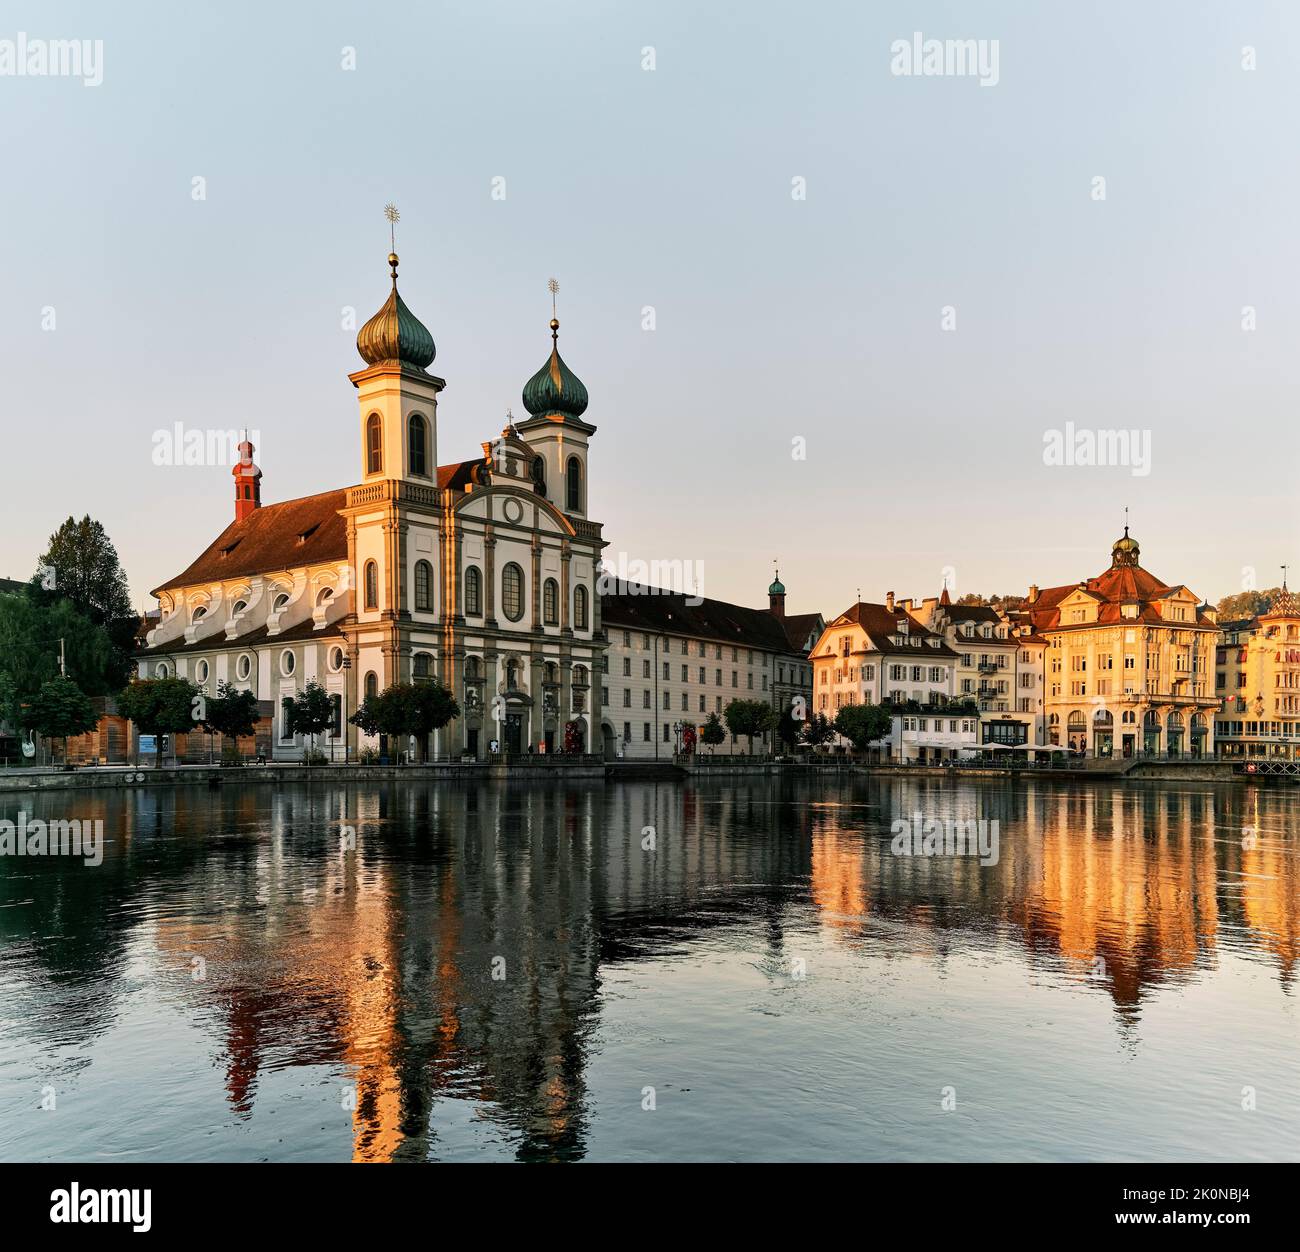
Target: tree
[311, 711]
[789, 727]
[862, 724]
[404, 709]
[1246, 604]
[749, 718]
[818, 731]
[162, 706]
[712, 732]
[232, 714]
[60, 709]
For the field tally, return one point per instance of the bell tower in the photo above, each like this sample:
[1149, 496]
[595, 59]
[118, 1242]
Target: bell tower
[398, 397]
[248, 482]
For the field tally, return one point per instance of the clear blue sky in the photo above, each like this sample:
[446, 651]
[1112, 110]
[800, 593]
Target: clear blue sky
[776, 318]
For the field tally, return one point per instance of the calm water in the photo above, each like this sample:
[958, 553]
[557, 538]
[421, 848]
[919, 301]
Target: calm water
[348, 1008]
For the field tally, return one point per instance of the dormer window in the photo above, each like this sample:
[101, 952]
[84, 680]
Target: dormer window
[308, 533]
[199, 613]
[238, 607]
[280, 603]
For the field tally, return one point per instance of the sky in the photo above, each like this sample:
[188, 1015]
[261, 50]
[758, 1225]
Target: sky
[858, 373]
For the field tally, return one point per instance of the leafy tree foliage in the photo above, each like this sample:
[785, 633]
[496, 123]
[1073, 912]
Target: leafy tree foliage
[407, 709]
[818, 730]
[232, 714]
[713, 732]
[60, 709]
[311, 711]
[749, 718]
[862, 724]
[1246, 604]
[161, 706]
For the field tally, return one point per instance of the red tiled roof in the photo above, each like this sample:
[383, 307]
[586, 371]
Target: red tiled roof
[298, 532]
[798, 626]
[880, 623]
[458, 474]
[1117, 586]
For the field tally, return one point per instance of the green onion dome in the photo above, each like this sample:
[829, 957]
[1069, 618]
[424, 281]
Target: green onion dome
[395, 336]
[555, 388]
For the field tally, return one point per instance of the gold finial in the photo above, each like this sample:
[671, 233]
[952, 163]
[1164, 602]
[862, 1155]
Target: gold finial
[393, 216]
[1284, 569]
[553, 287]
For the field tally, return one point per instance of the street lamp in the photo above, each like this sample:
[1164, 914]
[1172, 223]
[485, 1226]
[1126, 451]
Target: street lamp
[347, 666]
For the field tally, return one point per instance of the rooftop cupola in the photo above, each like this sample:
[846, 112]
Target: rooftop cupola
[1125, 552]
[395, 336]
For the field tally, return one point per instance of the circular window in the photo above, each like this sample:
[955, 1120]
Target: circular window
[201, 671]
[513, 510]
[336, 659]
[244, 666]
[286, 662]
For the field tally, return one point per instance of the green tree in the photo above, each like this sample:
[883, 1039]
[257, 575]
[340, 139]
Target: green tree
[80, 566]
[162, 706]
[404, 709]
[366, 718]
[862, 724]
[749, 718]
[232, 714]
[712, 732]
[311, 711]
[818, 730]
[432, 706]
[60, 709]
[1246, 604]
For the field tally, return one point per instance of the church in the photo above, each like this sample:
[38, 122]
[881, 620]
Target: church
[479, 574]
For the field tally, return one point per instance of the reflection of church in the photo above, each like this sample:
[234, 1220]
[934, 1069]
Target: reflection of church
[480, 573]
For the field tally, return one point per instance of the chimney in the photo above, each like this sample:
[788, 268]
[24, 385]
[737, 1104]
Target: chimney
[1033, 593]
[889, 601]
[248, 482]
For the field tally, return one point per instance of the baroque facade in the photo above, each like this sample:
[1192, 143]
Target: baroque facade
[478, 573]
[1258, 682]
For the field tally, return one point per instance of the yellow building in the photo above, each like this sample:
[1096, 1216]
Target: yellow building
[1128, 662]
[1258, 682]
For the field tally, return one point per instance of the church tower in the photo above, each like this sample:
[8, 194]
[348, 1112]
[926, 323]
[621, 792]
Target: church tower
[248, 482]
[397, 395]
[556, 399]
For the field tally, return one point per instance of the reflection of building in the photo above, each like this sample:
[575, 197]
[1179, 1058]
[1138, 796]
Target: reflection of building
[1128, 660]
[1258, 681]
[480, 573]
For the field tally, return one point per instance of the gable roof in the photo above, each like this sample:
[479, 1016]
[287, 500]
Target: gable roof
[1117, 586]
[666, 612]
[798, 626]
[306, 531]
[880, 622]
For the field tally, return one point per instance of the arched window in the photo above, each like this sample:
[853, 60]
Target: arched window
[573, 488]
[473, 668]
[423, 580]
[280, 602]
[417, 430]
[551, 602]
[372, 684]
[162, 669]
[324, 596]
[199, 614]
[512, 592]
[473, 592]
[374, 445]
[372, 585]
[580, 607]
[420, 670]
[539, 476]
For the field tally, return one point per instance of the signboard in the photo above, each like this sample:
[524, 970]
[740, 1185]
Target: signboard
[148, 744]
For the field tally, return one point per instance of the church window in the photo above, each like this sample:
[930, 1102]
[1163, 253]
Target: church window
[199, 614]
[420, 669]
[201, 671]
[580, 608]
[423, 580]
[243, 666]
[417, 434]
[372, 684]
[372, 585]
[551, 602]
[573, 486]
[336, 659]
[539, 476]
[280, 602]
[512, 591]
[374, 447]
[286, 662]
[473, 591]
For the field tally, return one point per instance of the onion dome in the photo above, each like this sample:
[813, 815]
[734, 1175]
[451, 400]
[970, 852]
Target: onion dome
[555, 388]
[1125, 551]
[395, 336]
[778, 587]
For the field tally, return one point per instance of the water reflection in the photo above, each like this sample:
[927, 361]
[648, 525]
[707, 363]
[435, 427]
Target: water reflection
[458, 952]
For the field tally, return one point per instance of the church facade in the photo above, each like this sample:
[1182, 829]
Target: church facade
[480, 574]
